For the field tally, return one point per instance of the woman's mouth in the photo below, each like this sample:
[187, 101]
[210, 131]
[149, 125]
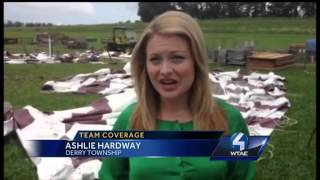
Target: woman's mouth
[168, 84]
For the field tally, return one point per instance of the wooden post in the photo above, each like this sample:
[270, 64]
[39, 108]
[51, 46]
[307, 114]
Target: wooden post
[312, 59]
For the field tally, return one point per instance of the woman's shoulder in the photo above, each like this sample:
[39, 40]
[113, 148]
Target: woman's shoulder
[236, 122]
[122, 122]
[226, 107]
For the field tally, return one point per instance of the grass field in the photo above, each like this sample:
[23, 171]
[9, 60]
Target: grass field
[266, 33]
[291, 158]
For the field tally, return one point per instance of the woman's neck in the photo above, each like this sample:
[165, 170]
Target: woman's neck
[175, 110]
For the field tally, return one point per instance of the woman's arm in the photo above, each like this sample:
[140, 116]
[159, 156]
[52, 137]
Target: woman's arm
[237, 169]
[240, 169]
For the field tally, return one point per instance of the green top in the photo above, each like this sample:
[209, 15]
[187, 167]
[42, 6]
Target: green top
[175, 168]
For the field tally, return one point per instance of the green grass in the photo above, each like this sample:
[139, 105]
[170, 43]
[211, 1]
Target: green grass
[29, 78]
[260, 25]
[291, 160]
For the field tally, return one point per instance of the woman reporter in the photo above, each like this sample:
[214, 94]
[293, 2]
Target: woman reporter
[170, 73]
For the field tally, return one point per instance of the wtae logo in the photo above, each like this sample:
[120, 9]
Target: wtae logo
[239, 143]
[240, 147]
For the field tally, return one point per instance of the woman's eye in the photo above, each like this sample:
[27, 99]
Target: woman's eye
[177, 59]
[155, 60]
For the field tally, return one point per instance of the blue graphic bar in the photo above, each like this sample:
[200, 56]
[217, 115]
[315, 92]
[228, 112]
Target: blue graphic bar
[125, 148]
[209, 144]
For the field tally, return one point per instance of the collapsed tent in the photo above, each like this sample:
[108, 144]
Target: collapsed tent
[104, 81]
[33, 124]
[259, 97]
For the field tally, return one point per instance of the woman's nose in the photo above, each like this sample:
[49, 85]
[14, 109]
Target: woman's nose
[166, 68]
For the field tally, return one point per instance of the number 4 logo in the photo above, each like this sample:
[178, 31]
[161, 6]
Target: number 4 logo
[239, 141]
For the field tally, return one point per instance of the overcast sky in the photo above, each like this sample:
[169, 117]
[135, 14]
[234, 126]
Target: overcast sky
[71, 12]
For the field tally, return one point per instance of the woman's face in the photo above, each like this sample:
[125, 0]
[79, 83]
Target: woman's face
[170, 65]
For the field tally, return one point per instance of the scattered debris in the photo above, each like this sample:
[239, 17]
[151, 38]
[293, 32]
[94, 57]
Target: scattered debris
[87, 56]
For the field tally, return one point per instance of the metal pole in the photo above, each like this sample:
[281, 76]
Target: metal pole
[49, 41]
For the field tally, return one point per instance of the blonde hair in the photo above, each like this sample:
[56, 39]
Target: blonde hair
[206, 114]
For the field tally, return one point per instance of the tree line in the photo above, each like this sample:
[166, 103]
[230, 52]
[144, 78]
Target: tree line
[10, 23]
[213, 10]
